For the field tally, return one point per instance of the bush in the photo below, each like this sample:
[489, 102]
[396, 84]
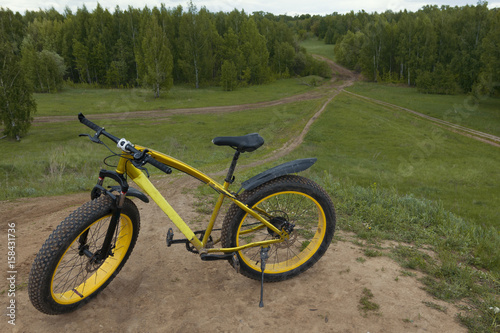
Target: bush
[304, 65]
[439, 81]
[228, 76]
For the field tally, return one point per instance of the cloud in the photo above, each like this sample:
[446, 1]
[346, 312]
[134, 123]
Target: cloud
[290, 7]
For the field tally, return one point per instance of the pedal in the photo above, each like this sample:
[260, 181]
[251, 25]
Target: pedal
[236, 262]
[213, 257]
[170, 237]
[171, 240]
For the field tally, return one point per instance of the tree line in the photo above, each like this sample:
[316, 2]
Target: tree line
[443, 50]
[156, 47]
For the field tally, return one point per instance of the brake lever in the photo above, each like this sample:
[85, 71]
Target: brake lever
[140, 165]
[95, 138]
[139, 161]
[92, 138]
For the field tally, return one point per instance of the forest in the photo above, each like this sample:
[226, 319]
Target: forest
[438, 49]
[445, 50]
[153, 48]
[161, 45]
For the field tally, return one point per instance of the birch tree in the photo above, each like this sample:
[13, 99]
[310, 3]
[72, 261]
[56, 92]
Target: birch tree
[155, 62]
[16, 101]
[199, 40]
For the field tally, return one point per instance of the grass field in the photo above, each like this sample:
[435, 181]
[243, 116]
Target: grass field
[371, 144]
[72, 100]
[482, 113]
[315, 46]
[396, 177]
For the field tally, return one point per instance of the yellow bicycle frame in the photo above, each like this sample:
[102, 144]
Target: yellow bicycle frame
[145, 184]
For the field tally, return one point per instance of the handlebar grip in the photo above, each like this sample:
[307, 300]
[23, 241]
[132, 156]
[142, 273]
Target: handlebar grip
[87, 122]
[157, 164]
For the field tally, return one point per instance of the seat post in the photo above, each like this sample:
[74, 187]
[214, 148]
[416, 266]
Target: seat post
[229, 177]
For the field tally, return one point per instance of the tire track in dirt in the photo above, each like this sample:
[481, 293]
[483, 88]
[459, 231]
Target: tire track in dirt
[293, 143]
[465, 131]
[338, 71]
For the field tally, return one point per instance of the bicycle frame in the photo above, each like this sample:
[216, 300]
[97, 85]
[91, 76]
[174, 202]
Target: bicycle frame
[124, 167]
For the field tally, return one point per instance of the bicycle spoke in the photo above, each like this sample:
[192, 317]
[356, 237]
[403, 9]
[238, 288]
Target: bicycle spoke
[73, 272]
[294, 208]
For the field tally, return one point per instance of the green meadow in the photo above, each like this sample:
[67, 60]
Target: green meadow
[394, 176]
[53, 160]
[315, 46]
[481, 113]
[374, 145]
[361, 144]
[83, 98]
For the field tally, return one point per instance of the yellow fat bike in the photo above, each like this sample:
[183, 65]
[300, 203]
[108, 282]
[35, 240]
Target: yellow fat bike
[278, 227]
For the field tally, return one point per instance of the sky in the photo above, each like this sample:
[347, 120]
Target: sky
[277, 7]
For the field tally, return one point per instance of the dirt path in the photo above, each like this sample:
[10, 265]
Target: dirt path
[185, 111]
[330, 90]
[165, 289]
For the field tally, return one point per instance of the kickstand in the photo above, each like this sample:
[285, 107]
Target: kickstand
[263, 258]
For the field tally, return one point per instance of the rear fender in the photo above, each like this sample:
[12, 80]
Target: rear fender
[277, 171]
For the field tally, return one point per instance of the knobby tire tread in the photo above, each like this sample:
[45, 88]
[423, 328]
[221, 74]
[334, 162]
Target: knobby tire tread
[232, 220]
[60, 239]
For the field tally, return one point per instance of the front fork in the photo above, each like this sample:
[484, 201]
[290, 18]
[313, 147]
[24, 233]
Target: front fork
[100, 255]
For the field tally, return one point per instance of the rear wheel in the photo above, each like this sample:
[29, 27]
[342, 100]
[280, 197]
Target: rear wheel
[65, 273]
[293, 203]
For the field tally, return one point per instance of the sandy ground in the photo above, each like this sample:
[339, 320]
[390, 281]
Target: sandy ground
[164, 289]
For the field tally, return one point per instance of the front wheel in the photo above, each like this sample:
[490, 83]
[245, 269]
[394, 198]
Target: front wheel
[293, 203]
[65, 274]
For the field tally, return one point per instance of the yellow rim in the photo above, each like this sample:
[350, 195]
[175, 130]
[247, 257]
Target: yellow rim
[302, 244]
[73, 278]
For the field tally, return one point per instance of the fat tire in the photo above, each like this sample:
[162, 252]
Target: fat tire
[234, 217]
[45, 264]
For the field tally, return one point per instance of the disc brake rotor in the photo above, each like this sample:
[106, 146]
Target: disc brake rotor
[281, 223]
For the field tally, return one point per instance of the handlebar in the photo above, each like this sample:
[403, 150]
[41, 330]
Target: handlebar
[99, 130]
[138, 155]
[87, 122]
[157, 164]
